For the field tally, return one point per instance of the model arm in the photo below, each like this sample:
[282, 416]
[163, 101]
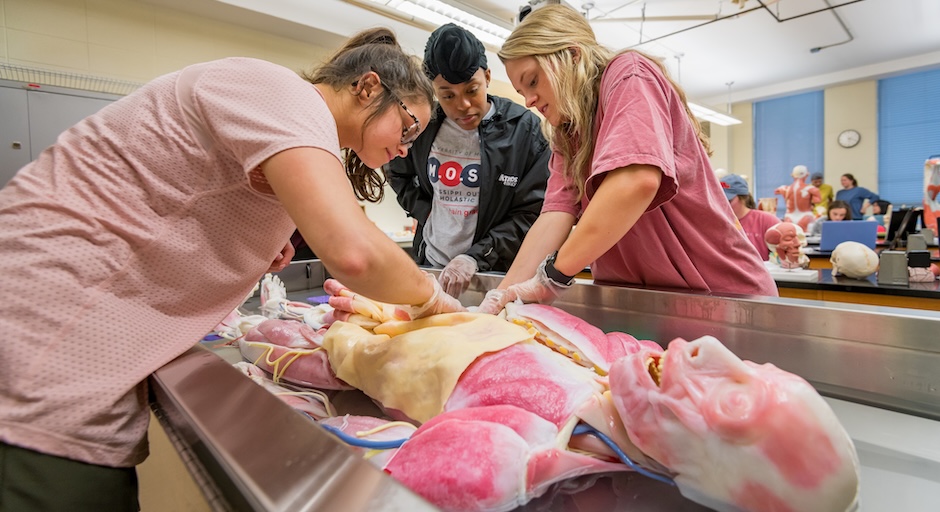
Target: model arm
[312, 186]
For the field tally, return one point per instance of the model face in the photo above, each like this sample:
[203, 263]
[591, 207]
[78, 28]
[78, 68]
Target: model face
[846, 183]
[817, 182]
[382, 139]
[837, 213]
[464, 103]
[530, 81]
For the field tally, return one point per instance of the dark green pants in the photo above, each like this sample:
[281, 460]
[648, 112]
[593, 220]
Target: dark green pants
[32, 481]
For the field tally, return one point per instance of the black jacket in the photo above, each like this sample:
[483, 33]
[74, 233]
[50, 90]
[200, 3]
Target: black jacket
[514, 172]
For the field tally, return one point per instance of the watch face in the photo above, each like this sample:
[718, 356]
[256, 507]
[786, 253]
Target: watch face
[849, 138]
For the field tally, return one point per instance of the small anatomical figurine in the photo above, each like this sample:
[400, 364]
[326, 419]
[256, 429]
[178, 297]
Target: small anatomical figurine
[800, 198]
[786, 241]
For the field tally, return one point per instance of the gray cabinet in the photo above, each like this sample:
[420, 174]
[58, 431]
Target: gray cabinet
[14, 132]
[31, 120]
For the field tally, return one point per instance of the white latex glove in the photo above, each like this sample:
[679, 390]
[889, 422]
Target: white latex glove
[455, 278]
[494, 301]
[346, 303]
[439, 302]
[539, 289]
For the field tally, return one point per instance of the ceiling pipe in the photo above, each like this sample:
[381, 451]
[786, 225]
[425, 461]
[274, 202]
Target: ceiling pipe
[846, 29]
[830, 8]
[762, 6]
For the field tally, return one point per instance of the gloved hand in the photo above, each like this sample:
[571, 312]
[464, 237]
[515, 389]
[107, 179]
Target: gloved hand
[494, 301]
[539, 289]
[439, 302]
[455, 278]
[346, 303]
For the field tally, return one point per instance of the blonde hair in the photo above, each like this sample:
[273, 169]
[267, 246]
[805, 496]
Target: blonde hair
[402, 76]
[566, 49]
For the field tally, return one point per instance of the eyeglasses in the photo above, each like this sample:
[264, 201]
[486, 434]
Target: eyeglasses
[410, 134]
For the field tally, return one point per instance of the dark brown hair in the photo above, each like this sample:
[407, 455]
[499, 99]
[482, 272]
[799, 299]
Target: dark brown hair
[402, 77]
[840, 204]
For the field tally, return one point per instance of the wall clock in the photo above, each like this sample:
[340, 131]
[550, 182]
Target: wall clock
[849, 138]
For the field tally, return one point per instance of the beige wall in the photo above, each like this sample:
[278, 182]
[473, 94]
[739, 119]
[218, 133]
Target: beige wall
[852, 106]
[131, 40]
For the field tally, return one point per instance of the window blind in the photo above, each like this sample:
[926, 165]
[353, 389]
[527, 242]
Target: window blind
[908, 133]
[788, 132]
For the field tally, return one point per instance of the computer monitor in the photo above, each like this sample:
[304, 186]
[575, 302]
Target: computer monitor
[904, 221]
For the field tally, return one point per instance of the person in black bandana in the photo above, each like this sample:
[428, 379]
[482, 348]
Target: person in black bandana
[475, 179]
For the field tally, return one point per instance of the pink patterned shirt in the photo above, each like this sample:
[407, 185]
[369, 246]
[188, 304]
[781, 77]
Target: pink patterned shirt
[130, 238]
[688, 239]
[755, 224]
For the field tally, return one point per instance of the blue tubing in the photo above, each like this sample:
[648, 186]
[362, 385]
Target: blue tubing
[587, 429]
[364, 443]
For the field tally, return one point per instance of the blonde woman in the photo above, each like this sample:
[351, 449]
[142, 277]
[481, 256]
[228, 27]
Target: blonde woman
[629, 165]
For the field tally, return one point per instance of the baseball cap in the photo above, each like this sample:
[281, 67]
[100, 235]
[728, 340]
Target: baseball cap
[734, 185]
[817, 176]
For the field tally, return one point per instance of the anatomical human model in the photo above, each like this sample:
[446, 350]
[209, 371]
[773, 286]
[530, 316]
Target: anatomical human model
[786, 241]
[800, 198]
[491, 411]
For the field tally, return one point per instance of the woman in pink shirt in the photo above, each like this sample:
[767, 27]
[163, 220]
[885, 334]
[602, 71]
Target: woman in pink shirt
[146, 223]
[754, 222]
[629, 165]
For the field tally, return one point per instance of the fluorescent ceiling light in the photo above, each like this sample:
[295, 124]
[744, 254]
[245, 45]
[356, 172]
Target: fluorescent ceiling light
[439, 13]
[707, 114]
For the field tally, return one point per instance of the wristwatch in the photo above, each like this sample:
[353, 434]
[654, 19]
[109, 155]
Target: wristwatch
[554, 274]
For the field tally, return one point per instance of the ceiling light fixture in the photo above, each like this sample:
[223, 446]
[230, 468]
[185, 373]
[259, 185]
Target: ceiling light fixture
[703, 113]
[438, 13]
[707, 114]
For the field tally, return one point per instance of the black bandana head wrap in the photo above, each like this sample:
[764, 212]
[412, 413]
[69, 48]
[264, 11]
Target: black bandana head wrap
[453, 53]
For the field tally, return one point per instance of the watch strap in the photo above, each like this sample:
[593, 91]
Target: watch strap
[554, 274]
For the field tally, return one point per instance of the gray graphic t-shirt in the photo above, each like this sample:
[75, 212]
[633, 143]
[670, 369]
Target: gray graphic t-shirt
[454, 171]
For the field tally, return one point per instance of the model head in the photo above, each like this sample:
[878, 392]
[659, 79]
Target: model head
[817, 179]
[799, 172]
[554, 61]
[455, 62]
[395, 98]
[839, 210]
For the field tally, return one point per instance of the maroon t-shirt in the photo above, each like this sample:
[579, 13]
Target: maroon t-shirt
[688, 238]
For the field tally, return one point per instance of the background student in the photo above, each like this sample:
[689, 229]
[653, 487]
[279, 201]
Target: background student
[825, 193]
[754, 222]
[838, 211]
[854, 195]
